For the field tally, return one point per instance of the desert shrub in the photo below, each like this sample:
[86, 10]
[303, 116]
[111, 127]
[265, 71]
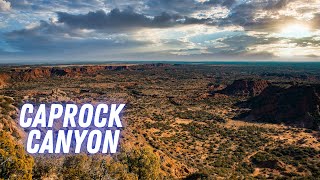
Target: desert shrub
[135, 92]
[76, 167]
[197, 176]
[262, 157]
[158, 117]
[14, 162]
[144, 163]
[118, 170]
[139, 163]
[199, 116]
[45, 167]
[245, 168]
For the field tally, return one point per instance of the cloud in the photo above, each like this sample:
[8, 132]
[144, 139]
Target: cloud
[186, 7]
[58, 40]
[52, 4]
[242, 14]
[276, 5]
[45, 30]
[267, 15]
[282, 47]
[227, 3]
[101, 20]
[19, 3]
[183, 7]
[84, 3]
[316, 20]
[4, 5]
[157, 28]
[125, 20]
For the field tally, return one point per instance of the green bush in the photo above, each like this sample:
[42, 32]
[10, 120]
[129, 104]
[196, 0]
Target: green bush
[144, 163]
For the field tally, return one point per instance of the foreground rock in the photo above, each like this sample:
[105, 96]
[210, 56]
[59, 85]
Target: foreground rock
[296, 105]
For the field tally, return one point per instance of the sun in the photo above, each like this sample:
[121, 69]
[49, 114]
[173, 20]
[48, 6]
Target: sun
[295, 31]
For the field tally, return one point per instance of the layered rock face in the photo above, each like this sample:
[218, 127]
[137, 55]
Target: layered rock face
[28, 74]
[4, 78]
[296, 105]
[244, 87]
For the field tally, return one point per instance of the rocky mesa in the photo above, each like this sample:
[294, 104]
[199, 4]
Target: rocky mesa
[245, 87]
[31, 73]
[297, 106]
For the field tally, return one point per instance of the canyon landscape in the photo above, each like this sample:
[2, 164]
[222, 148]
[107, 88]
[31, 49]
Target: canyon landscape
[181, 121]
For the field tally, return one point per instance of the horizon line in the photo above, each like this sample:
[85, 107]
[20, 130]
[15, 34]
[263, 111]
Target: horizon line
[96, 62]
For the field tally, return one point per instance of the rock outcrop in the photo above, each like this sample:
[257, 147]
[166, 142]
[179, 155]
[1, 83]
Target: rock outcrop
[58, 96]
[297, 106]
[30, 74]
[4, 78]
[244, 87]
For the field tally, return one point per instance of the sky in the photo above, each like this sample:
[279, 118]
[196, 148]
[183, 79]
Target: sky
[53, 31]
